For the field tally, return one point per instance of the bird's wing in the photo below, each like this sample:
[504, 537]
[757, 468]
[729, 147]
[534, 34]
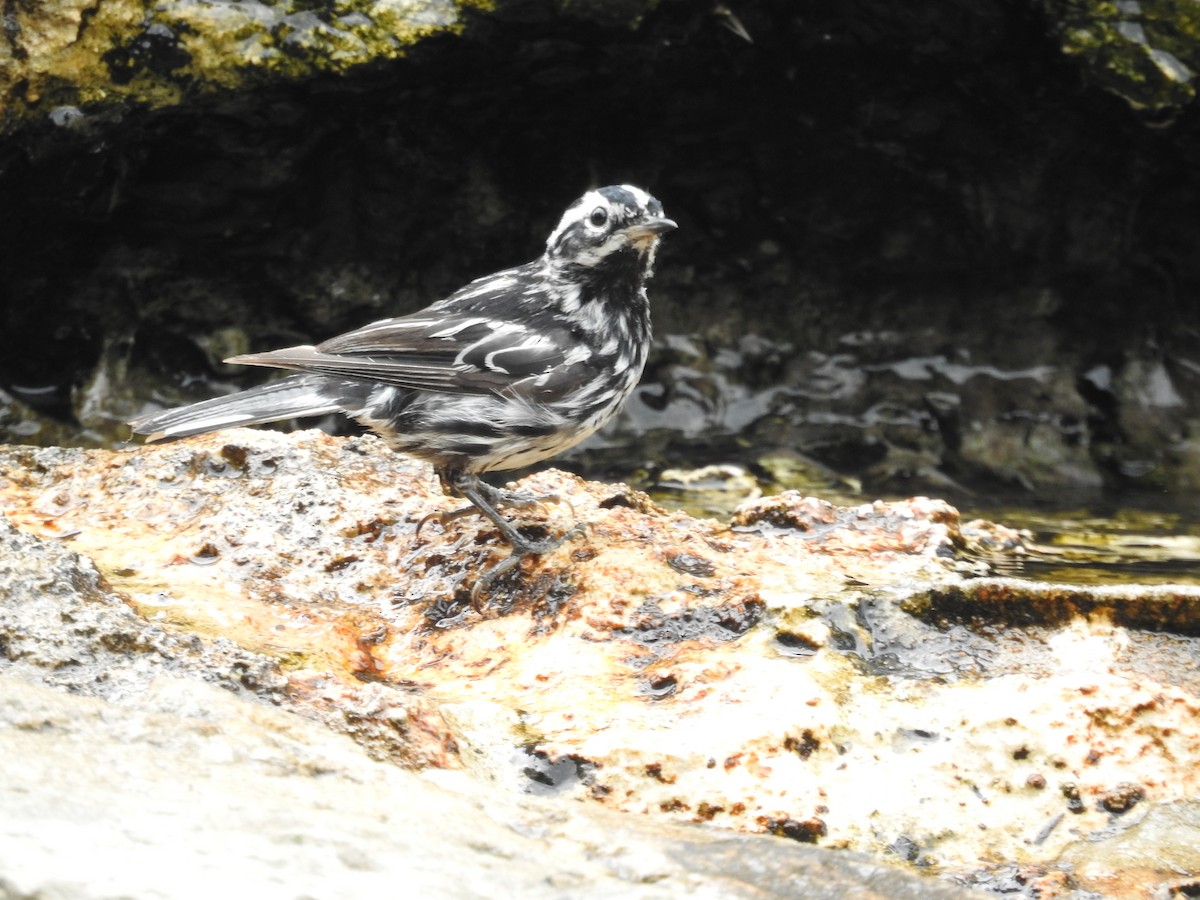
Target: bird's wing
[452, 353]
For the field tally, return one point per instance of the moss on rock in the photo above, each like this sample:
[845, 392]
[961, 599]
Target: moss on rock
[78, 53]
[1144, 51]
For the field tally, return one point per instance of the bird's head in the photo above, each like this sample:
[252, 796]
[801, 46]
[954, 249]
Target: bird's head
[611, 226]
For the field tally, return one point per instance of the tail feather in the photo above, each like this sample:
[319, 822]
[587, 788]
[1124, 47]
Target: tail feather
[288, 398]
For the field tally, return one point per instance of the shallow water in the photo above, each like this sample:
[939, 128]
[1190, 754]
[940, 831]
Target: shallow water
[1092, 540]
[1143, 539]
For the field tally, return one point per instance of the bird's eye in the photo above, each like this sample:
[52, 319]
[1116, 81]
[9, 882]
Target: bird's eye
[599, 217]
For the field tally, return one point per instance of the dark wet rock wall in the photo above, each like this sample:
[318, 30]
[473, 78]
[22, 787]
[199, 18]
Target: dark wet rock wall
[919, 246]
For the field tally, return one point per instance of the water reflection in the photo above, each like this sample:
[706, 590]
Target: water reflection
[1137, 540]
[1128, 539]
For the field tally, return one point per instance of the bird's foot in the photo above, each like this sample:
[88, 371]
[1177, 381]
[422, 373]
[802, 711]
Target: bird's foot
[522, 500]
[493, 497]
[521, 549]
[528, 547]
[444, 516]
[484, 499]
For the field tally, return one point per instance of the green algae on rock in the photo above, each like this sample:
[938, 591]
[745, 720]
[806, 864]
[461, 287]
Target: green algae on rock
[77, 53]
[1144, 51]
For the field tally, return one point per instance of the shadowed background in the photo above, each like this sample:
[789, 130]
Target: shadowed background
[921, 249]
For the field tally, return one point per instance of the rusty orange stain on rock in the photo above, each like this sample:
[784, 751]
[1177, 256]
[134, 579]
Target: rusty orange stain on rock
[685, 659]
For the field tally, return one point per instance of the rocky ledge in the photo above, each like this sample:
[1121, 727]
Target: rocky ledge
[658, 691]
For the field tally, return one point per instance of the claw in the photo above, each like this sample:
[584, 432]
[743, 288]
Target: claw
[485, 580]
[515, 498]
[511, 561]
[445, 515]
[484, 499]
[433, 515]
[520, 551]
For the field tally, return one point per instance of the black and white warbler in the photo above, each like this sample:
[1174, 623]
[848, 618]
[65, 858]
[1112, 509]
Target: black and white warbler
[507, 371]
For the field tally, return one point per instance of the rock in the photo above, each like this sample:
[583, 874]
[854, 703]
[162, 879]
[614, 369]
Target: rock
[854, 678]
[99, 792]
[1144, 51]
[186, 790]
[61, 626]
[1167, 836]
[70, 55]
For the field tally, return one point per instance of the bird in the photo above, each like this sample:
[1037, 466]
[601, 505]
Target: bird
[509, 370]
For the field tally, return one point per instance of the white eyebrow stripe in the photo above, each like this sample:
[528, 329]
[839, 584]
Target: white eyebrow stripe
[589, 201]
[643, 199]
[576, 214]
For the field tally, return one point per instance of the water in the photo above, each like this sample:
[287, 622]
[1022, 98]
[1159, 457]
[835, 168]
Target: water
[1140, 539]
[1087, 540]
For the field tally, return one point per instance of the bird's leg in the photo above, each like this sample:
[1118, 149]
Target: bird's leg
[501, 497]
[484, 499]
[458, 484]
[449, 482]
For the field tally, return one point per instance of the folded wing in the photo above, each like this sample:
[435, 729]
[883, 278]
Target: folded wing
[444, 353]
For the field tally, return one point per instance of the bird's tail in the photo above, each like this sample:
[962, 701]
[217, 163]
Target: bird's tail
[299, 395]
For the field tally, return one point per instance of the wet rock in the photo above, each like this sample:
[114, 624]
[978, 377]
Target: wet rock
[1144, 51]
[1172, 608]
[62, 625]
[717, 488]
[813, 674]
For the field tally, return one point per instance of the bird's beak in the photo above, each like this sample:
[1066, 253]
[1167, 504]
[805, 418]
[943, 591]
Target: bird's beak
[651, 227]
